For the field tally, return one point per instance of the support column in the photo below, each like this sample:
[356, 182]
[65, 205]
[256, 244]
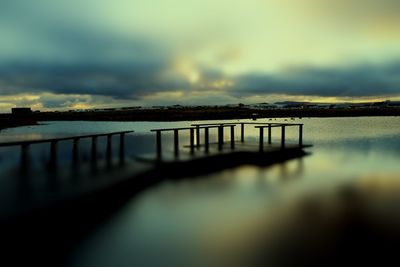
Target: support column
[191, 140]
[232, 136]
[25, 157]
[220, 137]
[197, 135]
[176, 142]
[301, 135]
[269, 134]
[122, 148]
[53, 155]
[242, 132]
[109, 149]
[158, 144]
[283, 137]
[75, 151]
[206, 139]
[261, 139]
[94, 148]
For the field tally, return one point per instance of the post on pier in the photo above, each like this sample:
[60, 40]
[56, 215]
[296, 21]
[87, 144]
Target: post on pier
[176, 142]
[300, 134]
[122, 148]
[232, 136]
[53, 155]
[198, 135]
[158, 144]
[109, 149]
[269, 134]
[206, 139]
[220, 136]
[75, 151]
[25, 157]
[261, 138]
[191, 140]
[283, 136]
[242, 132]
[94, 149]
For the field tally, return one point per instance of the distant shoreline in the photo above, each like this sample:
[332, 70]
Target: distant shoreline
[5, 124]
[190, 114]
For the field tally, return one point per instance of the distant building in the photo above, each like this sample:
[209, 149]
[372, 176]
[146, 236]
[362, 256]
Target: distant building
[21, 111]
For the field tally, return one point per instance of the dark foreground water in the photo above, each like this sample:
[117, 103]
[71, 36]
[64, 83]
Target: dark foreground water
[222, 219]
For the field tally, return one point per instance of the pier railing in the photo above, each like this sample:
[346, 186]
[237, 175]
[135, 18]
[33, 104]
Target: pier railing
[195, 131]
[75, 147]
[195, 134]
[192, 135]
[261, 127]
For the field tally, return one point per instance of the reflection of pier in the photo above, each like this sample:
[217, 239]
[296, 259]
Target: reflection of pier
[36, 204]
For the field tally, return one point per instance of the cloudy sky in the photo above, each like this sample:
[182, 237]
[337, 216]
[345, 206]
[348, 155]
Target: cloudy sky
[63, 54]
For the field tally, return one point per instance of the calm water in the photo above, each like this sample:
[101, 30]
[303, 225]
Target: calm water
[215, 220]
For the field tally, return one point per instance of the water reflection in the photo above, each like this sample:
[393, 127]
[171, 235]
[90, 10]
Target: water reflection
[245, 216]
[354, 223]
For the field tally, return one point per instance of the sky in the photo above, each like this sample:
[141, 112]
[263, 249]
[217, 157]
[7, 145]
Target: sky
[78, 54]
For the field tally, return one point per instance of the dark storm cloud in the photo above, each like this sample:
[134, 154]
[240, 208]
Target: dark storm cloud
[46, 52]
[357, 81]
[77, 48]
[123, 81]
[133, 81]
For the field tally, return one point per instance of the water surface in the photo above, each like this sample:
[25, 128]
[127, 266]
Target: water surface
[209, 221]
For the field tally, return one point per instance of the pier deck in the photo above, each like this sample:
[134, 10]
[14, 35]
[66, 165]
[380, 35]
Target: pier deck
[186, 154]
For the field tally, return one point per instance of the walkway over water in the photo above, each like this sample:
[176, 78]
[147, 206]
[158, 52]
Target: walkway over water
[50, 207]
[204, 148]
[33, 188]
[52, 162]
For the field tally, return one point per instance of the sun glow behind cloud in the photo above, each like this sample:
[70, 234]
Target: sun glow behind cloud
[186, 67]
